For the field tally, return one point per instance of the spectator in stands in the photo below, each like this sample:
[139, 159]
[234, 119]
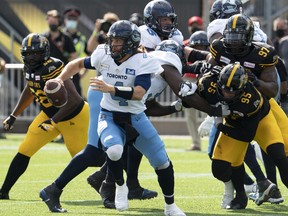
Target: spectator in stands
[2, 70]
[71, 20]
[61, 45]
[280, 28]
[101, 28]
[195, 23]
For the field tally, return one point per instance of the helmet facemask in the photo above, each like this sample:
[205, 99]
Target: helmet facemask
[126, 31]
[232, 79]
[35, 50]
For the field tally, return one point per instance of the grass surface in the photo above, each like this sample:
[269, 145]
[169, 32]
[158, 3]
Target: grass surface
[196, 191]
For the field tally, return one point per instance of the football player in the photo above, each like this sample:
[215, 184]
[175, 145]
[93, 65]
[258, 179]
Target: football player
[160, 24]
[219, 14]
[122, 108]
[70, 120]
[250, 118]
[258, 59]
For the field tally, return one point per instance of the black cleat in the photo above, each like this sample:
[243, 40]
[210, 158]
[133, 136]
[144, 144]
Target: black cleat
[107, 193]
[51, 196]
[95, 180]
[266, 190]
[4, 195]
[141, 193]
[239, 202]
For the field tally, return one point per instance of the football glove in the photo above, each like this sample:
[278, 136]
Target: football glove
[206, 67]
[187, 88]
[218, 121]
[221, 110]
[253, 78]
[205, 127]
[216, 69]
[8, 122]
[47, 125]
[177, 105]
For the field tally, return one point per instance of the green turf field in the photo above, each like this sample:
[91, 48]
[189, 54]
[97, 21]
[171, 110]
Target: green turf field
[196, 191]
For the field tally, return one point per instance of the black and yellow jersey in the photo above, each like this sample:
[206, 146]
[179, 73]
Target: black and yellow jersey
[36, 81]
[261, 55]
[246, 111]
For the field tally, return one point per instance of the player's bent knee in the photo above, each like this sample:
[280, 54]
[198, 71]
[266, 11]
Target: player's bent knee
[115, 152]
[163, 166]
[221, 170]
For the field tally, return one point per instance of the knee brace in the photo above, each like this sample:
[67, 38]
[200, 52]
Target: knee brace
[221, 170]
[115, 152]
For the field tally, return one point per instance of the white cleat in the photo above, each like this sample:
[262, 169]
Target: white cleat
[121, 197]
[173, 210]
[228, 195]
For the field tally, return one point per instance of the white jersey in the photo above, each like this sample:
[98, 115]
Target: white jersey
[158, 84]
[150, 39]
[218, 26]
[123, 75]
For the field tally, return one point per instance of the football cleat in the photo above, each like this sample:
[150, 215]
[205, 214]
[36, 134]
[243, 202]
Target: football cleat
[107, 193]
[4, 195]
[276, 197]
[228, 195]
[239, 202]
[173, 210]
[141, 194]
[96, 179]
[51, 196]
[121, 197]
[266, 190]
[250, 188]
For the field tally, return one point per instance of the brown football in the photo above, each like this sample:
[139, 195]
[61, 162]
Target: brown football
[56, 93]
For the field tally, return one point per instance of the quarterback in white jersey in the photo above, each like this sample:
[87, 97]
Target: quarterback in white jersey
[126, 72]
[122, 75]
[218, 26]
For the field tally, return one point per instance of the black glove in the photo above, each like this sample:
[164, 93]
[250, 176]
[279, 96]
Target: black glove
[8, 122]
[216, 69]
[252, 78]
[47, 125]
[206, 67]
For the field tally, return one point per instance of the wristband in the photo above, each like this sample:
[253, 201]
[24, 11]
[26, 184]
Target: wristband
[124, 92]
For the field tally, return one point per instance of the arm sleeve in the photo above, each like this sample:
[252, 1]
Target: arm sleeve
[144, 81]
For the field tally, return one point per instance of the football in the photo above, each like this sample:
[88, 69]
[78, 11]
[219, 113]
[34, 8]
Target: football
[56, 93]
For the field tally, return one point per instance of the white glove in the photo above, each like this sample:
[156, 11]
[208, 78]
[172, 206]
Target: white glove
[205, 127]
[225, 111]
[218, 120]
[178, 105]
[187, 88]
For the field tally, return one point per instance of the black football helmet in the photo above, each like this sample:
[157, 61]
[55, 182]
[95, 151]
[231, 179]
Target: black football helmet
[157, 9]
[216, 10]
[35, 50]
[198, 38]
[232, 78]
[137, 19]
[231, 7]
[238, 35]
[127, 31]
[174, 47]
